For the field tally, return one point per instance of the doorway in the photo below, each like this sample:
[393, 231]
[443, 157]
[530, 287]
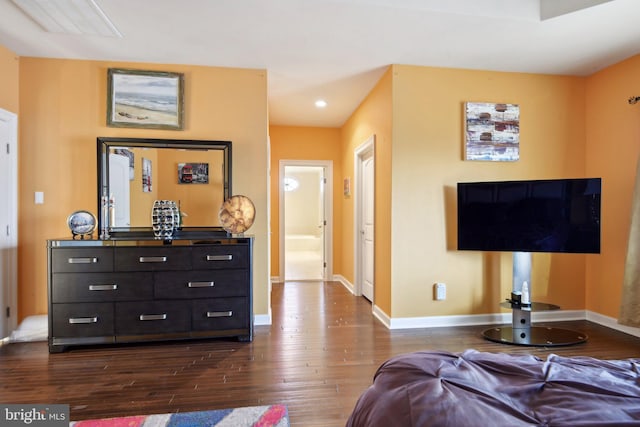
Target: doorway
[8, 223]
[305, 207]
[120, 189]
[365, 219]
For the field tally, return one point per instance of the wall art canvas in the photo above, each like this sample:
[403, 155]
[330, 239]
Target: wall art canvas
[146, 175]
[193, 173]
[145, 99]
[347, 187]
[492, 132]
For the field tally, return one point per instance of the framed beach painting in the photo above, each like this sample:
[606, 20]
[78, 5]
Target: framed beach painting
[145, 99]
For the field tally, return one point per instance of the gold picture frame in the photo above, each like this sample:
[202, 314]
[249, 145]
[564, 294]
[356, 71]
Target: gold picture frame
[145, 99]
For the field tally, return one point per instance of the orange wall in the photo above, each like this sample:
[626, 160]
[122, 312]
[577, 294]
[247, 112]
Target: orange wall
[9, 78]
[373, 117]
[201, 202]
[427, 162]
[613, 150]
[568, 128]
[305, 143]
[63, 110]
[416, 114]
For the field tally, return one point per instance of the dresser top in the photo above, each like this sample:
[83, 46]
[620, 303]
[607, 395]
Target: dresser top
[66, 242]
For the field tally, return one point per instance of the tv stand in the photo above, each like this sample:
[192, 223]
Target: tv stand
[521, 332]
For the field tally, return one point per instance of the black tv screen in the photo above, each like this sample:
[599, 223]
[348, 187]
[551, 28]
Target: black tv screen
[556, 215]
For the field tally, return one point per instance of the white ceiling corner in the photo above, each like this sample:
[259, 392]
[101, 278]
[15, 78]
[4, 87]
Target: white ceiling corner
[338, 49]
[554, 8]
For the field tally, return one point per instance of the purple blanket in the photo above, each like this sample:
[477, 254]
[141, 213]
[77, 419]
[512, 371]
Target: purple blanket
[434, 388]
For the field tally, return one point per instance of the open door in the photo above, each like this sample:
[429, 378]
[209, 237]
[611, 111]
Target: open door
[8, 223]
[120, 189]
[305, 218]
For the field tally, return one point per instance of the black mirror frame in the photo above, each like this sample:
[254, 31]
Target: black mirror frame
[137, 233]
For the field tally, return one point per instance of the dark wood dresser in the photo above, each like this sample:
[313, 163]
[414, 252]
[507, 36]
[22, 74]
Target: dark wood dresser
[119, 291]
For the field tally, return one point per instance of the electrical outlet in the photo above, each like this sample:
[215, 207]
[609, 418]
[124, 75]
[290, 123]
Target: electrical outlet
[440, 291]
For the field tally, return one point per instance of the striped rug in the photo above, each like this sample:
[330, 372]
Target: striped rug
[251, 416]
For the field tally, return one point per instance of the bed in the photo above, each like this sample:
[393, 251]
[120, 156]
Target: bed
[472, 388]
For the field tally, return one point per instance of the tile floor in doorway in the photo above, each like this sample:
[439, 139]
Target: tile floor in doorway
[303, 265]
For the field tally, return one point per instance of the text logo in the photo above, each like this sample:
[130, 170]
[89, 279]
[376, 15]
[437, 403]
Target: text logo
[34, 415]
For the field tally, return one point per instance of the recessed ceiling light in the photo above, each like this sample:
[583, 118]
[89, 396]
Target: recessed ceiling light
[321, 103]
[69, 17]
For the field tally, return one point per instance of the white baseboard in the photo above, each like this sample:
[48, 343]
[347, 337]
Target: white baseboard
[479, 319]
[345, 283]
[501, 318]
[382, 316]
[262, 319]
[612, 323]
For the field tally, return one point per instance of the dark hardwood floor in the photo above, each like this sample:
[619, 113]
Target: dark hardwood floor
[319, 355]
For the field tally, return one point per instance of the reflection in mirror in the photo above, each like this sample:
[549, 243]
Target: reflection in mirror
[134, 172]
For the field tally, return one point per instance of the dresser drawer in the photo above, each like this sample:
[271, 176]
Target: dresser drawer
[81, 320]
[220, 256]
[152, 317]
[81, 260]
[220, 313]
[124, 291]
[152, 259]
[201, 284]
[101, 287]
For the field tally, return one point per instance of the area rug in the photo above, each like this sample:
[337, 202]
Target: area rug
[251, 416]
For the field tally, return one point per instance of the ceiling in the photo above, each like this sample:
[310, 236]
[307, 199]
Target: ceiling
[338, 49]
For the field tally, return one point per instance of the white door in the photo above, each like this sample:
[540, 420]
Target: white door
[119, 189]
[365, 219]
[367, 227]
[8, 222]
[306, 220]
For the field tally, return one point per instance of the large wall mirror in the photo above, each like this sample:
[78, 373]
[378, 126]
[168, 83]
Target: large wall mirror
[134, 172]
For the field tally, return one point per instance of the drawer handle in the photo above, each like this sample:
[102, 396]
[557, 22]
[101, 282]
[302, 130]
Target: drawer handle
[153, 259]
[153, 316]
[219, 257]
[201, 284]
[220, 313]
[82, 260]
[82, 320]
[103, 287]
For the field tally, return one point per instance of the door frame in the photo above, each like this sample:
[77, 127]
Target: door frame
[9, 297]
[362, 151]
[328, 213]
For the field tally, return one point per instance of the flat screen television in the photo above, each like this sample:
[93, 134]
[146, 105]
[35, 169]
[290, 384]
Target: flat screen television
[554, 215]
